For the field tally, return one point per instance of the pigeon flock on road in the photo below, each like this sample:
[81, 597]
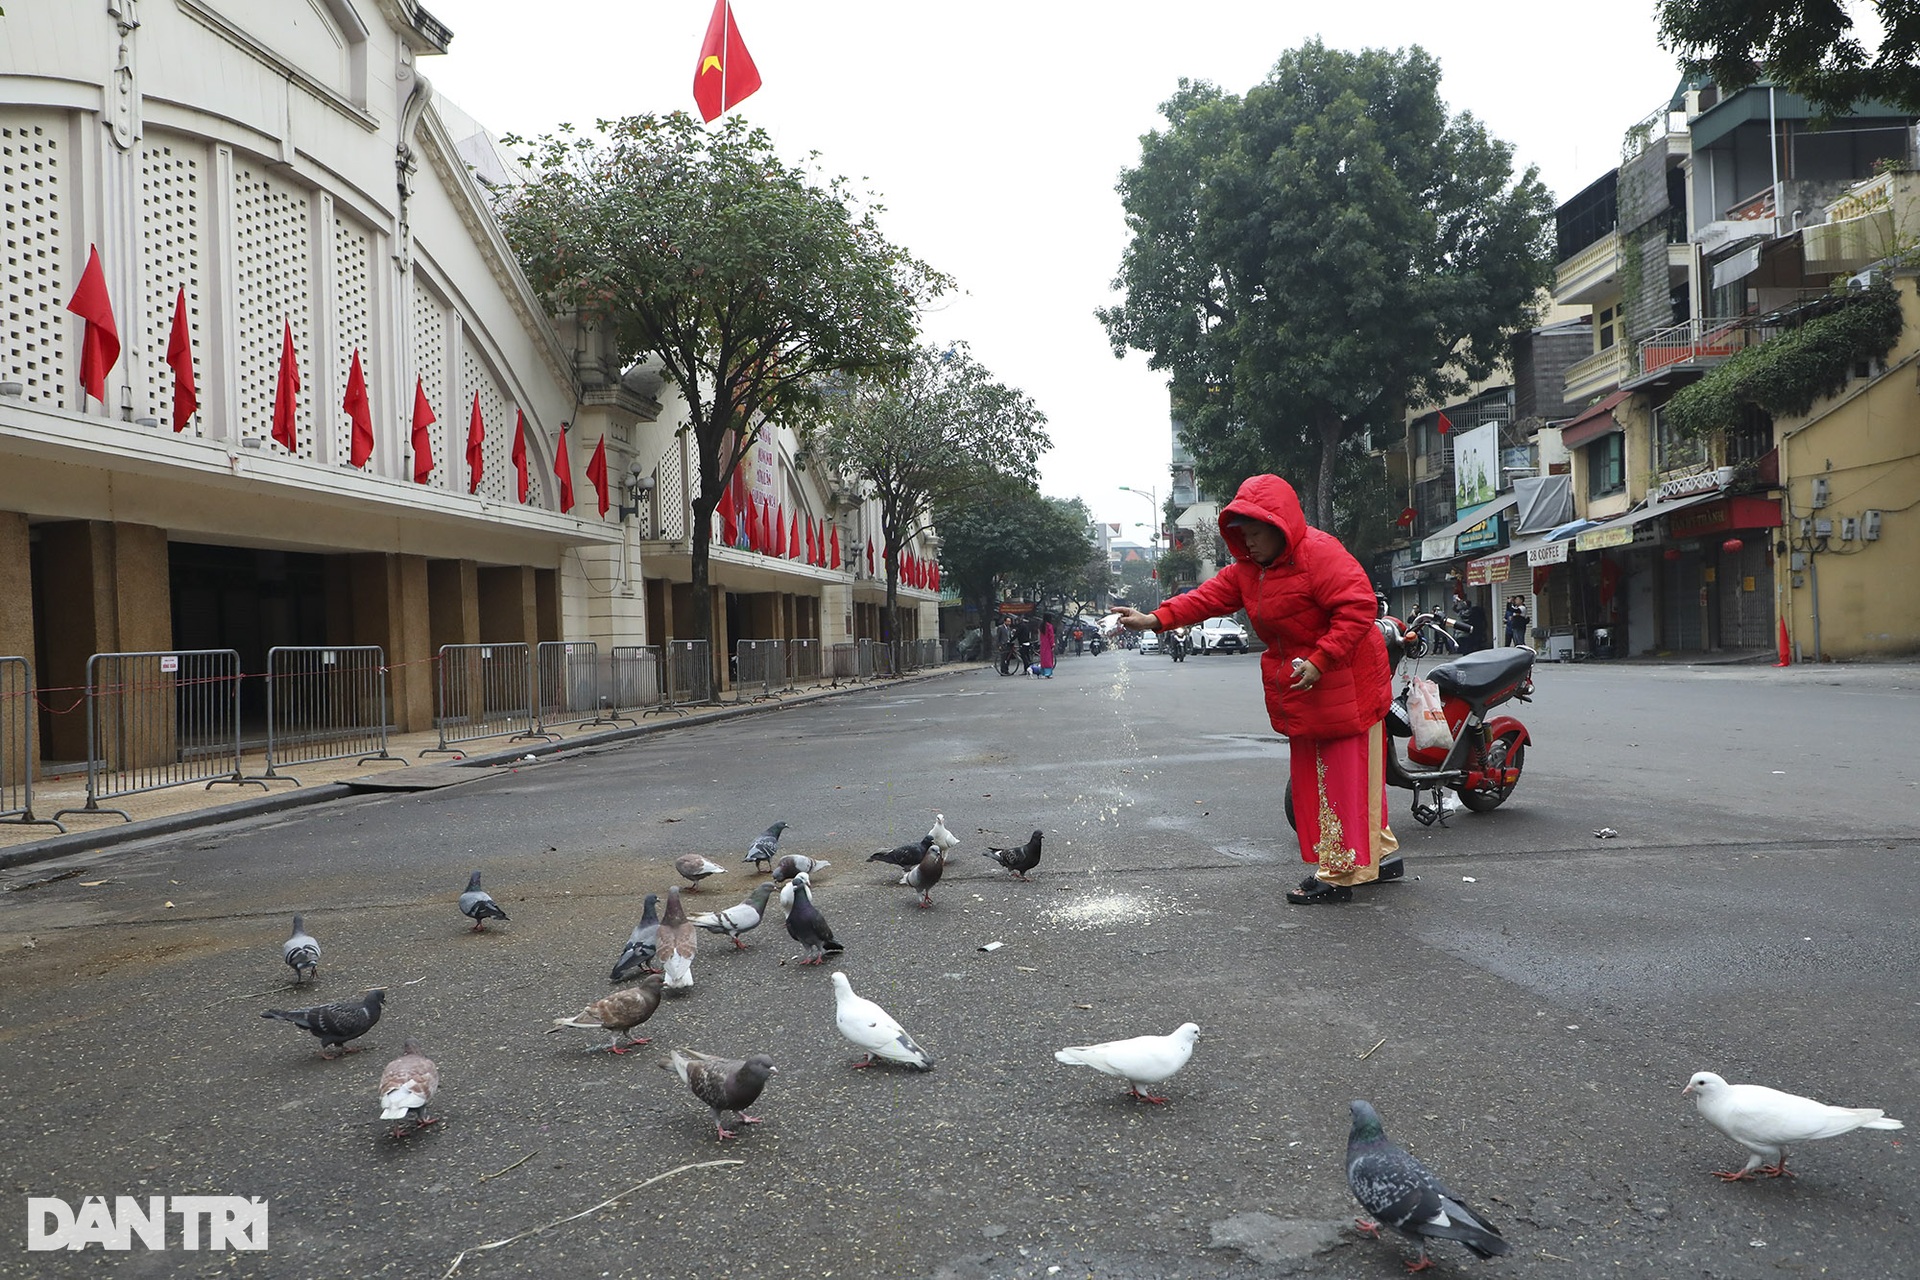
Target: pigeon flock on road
[1394, 1188]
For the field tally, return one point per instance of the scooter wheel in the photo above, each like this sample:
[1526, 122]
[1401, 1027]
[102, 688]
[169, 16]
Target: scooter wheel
[1506, 755]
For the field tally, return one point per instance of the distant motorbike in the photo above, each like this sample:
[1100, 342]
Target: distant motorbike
[1483, 765]
[1095, 645]
[1176, 645]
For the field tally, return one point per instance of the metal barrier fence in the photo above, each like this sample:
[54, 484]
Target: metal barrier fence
[689, 674]
[484, 691]
[325, 704]
[803, 663]
[573, 685]
[634, 677]
[842, 664]
[878, 659]
[757, 666]
[157, 720]
[19, 712]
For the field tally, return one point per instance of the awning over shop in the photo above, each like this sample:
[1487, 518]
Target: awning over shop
[1618, 531]
[1594, 423]
[1743, 511]
[1442, 544]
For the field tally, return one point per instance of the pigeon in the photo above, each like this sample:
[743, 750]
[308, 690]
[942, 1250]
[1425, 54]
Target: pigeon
[407, 1086]
[869, 1027]
[335, 1024]
[1765, 1120]
[1020, 859]
[906, 855]
[723, 1084]
[641, 943]
[696, 868]
[301, 952]
[795, 864]
[940, 835]
[678, 941]
[765, 847]
[736, 920]
[926, 875]
[1141, 1060]
[807, 926]
[619, 1012]
[1399, 1192]
[478, 905]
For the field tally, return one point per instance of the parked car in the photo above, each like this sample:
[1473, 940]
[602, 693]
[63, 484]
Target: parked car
[1218, 635]
[1149, 642]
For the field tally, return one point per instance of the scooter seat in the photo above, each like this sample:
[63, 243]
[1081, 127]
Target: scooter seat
[1476, 675]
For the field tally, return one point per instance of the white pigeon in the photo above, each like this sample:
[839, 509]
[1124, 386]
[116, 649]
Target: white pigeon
[872, 1030]
[940, 835]
[808, 867]
[1139, 1061]
[1765, 1121]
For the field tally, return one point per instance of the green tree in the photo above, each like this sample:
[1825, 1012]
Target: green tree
[750, 281]
[1811, 47]
[1310, 259]
[924, 442]
[1004, 537]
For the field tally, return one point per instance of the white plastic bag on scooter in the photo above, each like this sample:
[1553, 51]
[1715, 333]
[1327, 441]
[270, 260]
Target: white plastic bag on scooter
[1428, 717]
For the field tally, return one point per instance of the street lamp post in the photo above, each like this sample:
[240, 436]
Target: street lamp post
[1153, 531]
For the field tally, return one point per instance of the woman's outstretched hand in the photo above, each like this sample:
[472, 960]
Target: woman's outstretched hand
[1133, 619]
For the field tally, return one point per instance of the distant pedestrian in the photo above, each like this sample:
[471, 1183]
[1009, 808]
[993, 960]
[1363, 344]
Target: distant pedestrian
[1516, 623]
[1474, 633]
[1079, 637]
[1046, 648]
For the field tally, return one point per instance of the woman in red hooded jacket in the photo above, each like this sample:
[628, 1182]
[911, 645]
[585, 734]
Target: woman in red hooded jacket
[1325, 670]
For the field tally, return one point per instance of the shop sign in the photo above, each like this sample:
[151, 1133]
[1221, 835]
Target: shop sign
[1711, 517]
[1438, 547]
[1601, 539]
[1484, 536]
[1482, 573]
[1552, 553]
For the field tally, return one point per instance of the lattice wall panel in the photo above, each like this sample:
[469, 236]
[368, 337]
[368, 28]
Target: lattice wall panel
[273, 287]
[172, 246]
[353, 322]
[496, 468]
[430, 363]
[670, 497]
[32, 254]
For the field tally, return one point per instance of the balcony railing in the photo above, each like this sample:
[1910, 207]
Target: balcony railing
[1700, 340]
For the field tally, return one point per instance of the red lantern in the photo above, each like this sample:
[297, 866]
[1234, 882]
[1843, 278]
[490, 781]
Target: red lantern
[1732, 546]
[1671, 553]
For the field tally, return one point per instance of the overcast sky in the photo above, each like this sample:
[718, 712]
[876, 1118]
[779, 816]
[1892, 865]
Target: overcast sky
[993, 133]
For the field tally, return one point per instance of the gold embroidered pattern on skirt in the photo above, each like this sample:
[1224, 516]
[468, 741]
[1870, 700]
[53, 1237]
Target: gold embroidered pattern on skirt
[1336, 859]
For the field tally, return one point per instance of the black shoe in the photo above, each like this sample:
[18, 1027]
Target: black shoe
[1393, 868]
[1321, 892]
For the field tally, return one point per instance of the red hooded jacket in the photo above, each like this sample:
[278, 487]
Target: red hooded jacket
[1313, 602]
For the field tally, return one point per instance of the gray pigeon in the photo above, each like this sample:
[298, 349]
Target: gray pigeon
[923, 877]
[723, 1084]
[1020, 859]
[738, 919]
[1399, 1192]
[301, 952]
[807, 926]
[906, 855]
[335, 1024]
[478, 905]
[641, 943]
[795, 864]
[766, 847]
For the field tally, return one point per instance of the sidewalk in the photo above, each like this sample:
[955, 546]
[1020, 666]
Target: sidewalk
[195, 804]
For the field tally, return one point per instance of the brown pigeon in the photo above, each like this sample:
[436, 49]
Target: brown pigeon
[335, 1024]
[407, 1086]
[678, 940]
[619, 1012]
[723, 1084]
[697, 868]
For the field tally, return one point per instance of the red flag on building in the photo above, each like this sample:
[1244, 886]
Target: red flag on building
[793, 538]
[1441, 421]
[780, 530]
[476, 446]
[597, 472]
[813, 543]
[520, 453]
[936, 575]
[286, 391]
[180, 356]
[100, 344]
[869, 557]
[422, 438]
[725, 74]
[563, 469]
[762, 529]
[905, 562]
[833, 548]
[359, 412]
[729, 524]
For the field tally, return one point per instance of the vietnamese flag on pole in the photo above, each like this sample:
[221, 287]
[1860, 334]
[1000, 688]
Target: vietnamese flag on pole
[1441, 421]
[869, 557]
[725, 75]
[100, 344]
[359, 412]
[422, 438]
[724, 509]
[793, 539]
[780, 531]
[476, 446]
[563, 469]
[766, 528]
[813, 543]
[180, 355]
[286, 391]
[520, 452]
[833, 548]
[597, 472]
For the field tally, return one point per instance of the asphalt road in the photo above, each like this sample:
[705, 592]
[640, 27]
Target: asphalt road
[1522, 1009]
